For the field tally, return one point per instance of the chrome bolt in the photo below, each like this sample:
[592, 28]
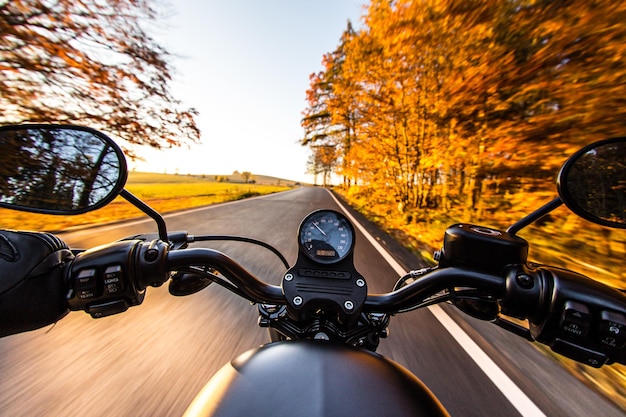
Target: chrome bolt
[525, 281]
[151, 255]
[288, 277]
[360, 282]
[297, 300]
[348, 305]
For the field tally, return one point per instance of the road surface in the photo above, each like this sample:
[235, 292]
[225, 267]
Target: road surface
[153, 359]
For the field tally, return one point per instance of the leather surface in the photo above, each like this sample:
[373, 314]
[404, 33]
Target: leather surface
[32, 283]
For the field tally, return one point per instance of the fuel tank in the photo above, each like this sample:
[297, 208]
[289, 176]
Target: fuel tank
[314, 379]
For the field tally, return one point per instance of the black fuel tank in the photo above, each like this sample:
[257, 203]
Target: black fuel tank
[314, 379]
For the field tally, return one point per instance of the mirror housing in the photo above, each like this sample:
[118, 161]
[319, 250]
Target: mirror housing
[592, 182]
[58, 169]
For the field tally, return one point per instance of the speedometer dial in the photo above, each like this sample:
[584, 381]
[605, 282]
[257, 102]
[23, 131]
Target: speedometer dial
[326, 236]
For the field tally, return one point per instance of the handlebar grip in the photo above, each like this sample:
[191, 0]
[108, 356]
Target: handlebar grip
[576, 316]
[32, 280]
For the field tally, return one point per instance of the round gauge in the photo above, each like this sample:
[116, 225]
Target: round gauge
[326, 236]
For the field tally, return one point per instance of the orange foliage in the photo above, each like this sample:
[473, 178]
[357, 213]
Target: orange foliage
[438, 103]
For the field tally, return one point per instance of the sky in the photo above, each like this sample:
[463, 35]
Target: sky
[245, 66]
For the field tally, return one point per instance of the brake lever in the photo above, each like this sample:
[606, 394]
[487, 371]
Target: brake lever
[514, 328]
[176, 240]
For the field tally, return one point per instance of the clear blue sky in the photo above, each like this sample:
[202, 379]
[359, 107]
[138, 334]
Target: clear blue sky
[245, 65]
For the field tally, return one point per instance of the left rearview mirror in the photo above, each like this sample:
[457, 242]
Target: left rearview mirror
[58, 169]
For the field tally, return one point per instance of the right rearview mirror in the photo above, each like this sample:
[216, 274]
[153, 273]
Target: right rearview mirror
[592, 182]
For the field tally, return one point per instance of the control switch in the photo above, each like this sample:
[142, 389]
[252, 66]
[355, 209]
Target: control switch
[85, 284]
[113, 283]
[579, 353]
[575, 320]
[612, 329]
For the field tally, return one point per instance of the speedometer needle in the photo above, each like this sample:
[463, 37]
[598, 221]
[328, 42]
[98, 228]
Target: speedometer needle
[318, 228]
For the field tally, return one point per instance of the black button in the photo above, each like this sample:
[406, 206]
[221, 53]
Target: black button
[85, 278]
[113, 283]
[612, 329]
[85, 284]
[575, 320]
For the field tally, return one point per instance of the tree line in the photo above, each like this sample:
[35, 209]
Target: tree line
[444, 104]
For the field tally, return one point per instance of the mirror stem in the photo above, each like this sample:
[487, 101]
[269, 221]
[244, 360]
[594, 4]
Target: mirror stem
[535, 215]
[147, 210]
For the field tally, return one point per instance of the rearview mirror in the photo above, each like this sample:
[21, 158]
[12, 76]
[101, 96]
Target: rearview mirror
[58, 169]
[592, 182]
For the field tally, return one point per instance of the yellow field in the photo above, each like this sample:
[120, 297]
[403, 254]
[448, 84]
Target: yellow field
[164, 193]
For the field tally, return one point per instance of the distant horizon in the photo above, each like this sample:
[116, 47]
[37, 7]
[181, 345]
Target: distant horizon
[213, 175]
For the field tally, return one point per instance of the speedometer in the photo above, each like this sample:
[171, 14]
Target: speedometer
[326, 236]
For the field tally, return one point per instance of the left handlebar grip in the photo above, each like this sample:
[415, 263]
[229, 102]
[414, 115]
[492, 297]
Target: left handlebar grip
[109, 279]
[32, 280]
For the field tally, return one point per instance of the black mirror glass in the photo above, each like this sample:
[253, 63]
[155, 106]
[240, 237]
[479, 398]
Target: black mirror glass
[58, 169]
[592, 183]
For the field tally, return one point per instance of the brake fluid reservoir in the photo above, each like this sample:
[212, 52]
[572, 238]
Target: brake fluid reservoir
[482, 248]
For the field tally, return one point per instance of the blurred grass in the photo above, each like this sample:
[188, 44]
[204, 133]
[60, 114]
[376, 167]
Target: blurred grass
[560, 239]
[162, 192]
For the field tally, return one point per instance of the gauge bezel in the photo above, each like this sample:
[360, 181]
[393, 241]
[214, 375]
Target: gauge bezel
[320, 214]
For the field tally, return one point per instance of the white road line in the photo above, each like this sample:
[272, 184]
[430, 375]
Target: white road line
[524, 405]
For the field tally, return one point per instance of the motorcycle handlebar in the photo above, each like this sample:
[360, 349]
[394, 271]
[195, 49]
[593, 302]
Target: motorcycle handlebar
[574, 315]
[252, 287]
[431, 283]
[392, 302]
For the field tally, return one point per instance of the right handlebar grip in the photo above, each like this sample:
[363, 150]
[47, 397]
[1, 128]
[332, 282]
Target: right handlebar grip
[576, 316]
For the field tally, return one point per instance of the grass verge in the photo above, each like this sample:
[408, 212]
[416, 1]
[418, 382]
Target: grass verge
[164, 193]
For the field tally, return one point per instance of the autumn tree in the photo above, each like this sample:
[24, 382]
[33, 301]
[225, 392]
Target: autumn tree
[93, 63]
[459, 104]
[322, 160]
[567, 57]
[329, 120]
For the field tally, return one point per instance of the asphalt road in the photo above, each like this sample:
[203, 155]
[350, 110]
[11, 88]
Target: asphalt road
[153, 359]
